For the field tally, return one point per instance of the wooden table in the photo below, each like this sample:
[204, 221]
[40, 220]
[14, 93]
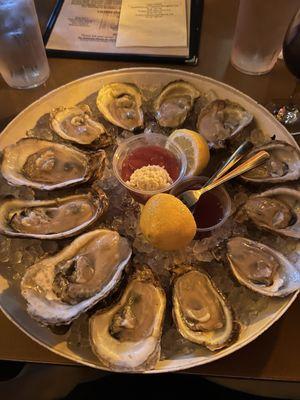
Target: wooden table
[276, 354]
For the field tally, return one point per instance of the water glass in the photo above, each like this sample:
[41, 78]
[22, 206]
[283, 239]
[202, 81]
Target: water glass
[23, 61]
[259, 34]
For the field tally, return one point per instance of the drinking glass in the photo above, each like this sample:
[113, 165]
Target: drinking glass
[291, 46]
[259, 34]
[287, 111]
[23, 61]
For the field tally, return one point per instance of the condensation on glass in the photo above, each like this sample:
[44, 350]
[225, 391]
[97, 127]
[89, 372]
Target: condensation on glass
[259, 33]
[23, 61]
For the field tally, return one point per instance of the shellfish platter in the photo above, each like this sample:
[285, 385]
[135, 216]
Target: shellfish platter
[79, 274]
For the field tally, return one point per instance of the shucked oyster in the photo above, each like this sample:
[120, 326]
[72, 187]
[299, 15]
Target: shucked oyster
[126, 337]
[52, 219]
[276, 210]
[282, 166]
[121, 104]
[220, 120]
[46, 165]
[173, 104]
[75, 124]
[261, 268]
[59, 288]
[200, 312]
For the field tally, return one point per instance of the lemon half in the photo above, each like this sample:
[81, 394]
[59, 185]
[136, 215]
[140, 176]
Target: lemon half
[167, 223]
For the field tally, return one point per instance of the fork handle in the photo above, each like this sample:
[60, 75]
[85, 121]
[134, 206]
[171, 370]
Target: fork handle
[232, 160]
[251, 163]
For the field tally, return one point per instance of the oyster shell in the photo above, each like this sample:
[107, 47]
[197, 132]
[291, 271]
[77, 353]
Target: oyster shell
[221, 120]
[59, 288]
[121, 104]
[46, 165]
[283, 164]
[75, 124]
[261, 268]
[126, 337]
[276, 210]
[200, 312]
[52, 219]
[173, 104]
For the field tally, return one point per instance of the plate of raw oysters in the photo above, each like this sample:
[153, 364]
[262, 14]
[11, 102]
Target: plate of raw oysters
[101, 265]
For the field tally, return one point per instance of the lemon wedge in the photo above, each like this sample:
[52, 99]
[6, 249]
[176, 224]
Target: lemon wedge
[195, 148]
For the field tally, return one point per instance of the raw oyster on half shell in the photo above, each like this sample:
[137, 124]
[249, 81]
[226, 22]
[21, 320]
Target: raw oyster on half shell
[52, 219]
[59, 288]
[46, 165]
[121, 104]
[262, 268]
[126, 336]
[174, 103]
[276, 210]
[282, 166]
[200, 311]
[221, 120]
[75, 124]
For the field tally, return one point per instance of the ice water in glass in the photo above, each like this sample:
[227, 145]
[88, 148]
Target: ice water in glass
[23, 61]
[259, 33]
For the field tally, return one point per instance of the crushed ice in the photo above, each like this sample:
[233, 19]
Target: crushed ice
[123, 216]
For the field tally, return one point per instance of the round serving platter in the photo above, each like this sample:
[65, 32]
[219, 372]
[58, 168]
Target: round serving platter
[11, 302]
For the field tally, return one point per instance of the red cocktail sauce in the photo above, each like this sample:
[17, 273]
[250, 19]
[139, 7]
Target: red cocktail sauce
[150, 155]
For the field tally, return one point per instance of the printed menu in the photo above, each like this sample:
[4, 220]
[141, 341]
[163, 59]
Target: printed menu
[136, 27]
[152, 24]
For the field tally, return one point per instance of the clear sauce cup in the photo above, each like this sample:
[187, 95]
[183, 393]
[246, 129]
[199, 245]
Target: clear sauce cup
[144, 141]
[222, 199]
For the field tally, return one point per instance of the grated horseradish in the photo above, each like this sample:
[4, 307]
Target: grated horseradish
[150, 177]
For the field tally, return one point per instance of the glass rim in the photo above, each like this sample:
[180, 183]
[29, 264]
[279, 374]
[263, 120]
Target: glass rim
[182, 158]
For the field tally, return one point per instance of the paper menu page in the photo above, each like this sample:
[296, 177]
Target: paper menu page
[152, 23]
[86, 26]
[91, 27]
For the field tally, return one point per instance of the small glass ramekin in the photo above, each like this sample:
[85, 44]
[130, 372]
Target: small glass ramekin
[147, 139]
[196, 182]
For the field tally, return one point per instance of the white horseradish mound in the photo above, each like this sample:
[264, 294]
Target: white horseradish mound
[150, 177]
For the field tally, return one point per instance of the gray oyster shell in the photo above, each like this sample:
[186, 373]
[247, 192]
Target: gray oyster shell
[76, 125]
[276, 210]
[121, 105]
[46, 165]
[174, 103]
[221, 120]
[262, 268]
[52, 219]
[200, 312]
[282, 166]
[60, 288]
[126, 336]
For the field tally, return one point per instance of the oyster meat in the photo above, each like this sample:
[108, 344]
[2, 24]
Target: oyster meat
[121, 104]
[126, 337]
[221, 120]
[200, 311]
[276, 210]
[283, 164]
[59, 288]
[52, 219]
[174, 103]
[46, 165]
[262, 268]
[75, 124]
